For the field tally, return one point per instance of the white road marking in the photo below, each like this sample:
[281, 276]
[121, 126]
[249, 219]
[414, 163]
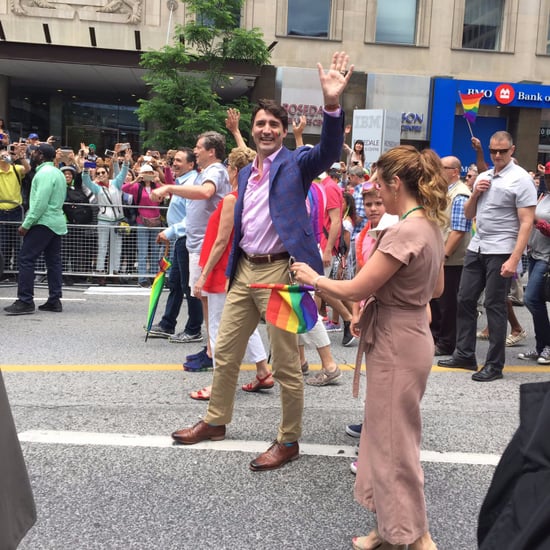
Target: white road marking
[38, 299]
[233, 445]
[118, 291]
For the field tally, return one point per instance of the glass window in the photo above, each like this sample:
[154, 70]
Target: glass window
[396, 22]
[482, 24]
[307, 18]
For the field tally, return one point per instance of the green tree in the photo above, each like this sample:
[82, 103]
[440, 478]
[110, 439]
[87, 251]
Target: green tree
[184, 100]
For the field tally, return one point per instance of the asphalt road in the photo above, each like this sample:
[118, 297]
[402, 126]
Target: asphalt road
[94, 406]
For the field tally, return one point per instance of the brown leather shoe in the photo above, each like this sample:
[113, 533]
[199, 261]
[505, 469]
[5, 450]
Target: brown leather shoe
[201, 431]
[276, 456]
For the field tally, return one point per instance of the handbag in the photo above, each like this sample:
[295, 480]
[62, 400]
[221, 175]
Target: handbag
[546, 284]
[151, 222]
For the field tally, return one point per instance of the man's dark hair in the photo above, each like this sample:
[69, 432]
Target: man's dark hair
[214, 140]
[190, 155]
[272, 107]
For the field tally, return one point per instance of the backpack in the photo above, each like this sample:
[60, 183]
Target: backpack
[76, 212]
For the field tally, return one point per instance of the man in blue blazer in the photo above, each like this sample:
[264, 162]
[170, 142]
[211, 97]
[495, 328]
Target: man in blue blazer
[271, 225]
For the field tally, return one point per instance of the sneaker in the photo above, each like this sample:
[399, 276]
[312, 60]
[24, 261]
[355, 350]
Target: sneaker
[354, 430]
[198, 355]
[530, 355]
[20, 308]
[144, 284]
[544, 358]
[353, 467]
[332, 327]
[305, 368]
[199, 365]
[52, 305]
[184, 338]
[348, 338]
[324, 378]
[158, 331]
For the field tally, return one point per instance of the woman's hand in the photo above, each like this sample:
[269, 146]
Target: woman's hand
[354, 326]
[197, 289]
[303, 273]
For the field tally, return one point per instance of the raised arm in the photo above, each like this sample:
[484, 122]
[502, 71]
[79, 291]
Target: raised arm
[232, 124]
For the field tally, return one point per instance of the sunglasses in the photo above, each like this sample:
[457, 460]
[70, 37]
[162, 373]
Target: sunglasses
[501, 151]
[369, 186]
[102, 173]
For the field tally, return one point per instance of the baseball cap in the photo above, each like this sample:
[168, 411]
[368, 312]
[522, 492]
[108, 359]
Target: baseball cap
[146, 168]
[547, 168]
[68, 169]
[33, 136]
[47, 150]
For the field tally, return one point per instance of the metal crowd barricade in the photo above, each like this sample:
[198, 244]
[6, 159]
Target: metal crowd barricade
[79, 250]
[10, 240]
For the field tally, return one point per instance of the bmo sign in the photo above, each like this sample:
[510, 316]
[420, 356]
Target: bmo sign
[505, 94]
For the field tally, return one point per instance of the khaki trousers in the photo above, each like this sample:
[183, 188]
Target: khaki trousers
[241, 314]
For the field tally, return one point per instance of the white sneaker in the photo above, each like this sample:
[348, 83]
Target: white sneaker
[544, 358]
[353, 467]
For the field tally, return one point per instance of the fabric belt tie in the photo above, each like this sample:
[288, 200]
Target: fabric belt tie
[367, 326]
[266, 258]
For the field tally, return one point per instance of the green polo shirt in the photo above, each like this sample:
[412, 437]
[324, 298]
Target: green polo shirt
[48, 191]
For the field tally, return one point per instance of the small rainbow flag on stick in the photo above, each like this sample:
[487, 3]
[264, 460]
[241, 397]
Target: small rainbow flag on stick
[470, 104]
[290, 307]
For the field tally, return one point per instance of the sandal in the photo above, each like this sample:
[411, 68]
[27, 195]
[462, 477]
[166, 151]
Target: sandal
[258, 383]
[513, 339]
[482, 335]
[201, 395]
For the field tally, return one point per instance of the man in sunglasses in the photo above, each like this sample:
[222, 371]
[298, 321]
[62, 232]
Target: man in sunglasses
[503, 202]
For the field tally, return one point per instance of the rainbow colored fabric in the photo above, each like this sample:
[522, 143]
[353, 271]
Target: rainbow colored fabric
[156, 290]
[470, 104]
[290, 307]
[316, 204]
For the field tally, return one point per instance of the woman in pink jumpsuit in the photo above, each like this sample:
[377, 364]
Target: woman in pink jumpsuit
[403, 273]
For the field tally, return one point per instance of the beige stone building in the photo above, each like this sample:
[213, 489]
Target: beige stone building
[70, 67]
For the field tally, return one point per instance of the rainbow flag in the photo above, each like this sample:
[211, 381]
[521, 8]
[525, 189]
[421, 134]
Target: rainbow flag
[290, 307]
[470, 104]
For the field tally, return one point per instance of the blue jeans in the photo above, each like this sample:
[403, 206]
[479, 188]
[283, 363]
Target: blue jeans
[40, 239]
[179, 287]
[147, 249]
[535, 303]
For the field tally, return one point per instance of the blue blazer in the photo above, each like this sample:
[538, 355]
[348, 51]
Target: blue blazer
[290, 178]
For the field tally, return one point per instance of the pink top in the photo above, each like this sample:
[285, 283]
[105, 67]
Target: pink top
[259, 234]
[132, 189]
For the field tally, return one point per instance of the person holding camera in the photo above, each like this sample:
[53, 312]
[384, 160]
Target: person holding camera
[78, 211]
[108, 194]
[4, 134]
[148, 220]
[13, 167]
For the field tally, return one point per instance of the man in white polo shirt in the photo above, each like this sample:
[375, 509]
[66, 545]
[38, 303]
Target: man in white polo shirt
[503, 202]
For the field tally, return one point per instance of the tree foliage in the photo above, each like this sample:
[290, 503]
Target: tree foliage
[184, 101]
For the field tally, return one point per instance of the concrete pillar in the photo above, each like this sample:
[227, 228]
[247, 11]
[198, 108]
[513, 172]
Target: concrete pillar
[525, 127]
[4, 99]
[56, 118]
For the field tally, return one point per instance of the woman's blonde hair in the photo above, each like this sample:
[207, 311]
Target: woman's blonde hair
[240, 157]
[422, 174]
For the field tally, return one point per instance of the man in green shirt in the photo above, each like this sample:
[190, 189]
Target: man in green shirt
[41, 229]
